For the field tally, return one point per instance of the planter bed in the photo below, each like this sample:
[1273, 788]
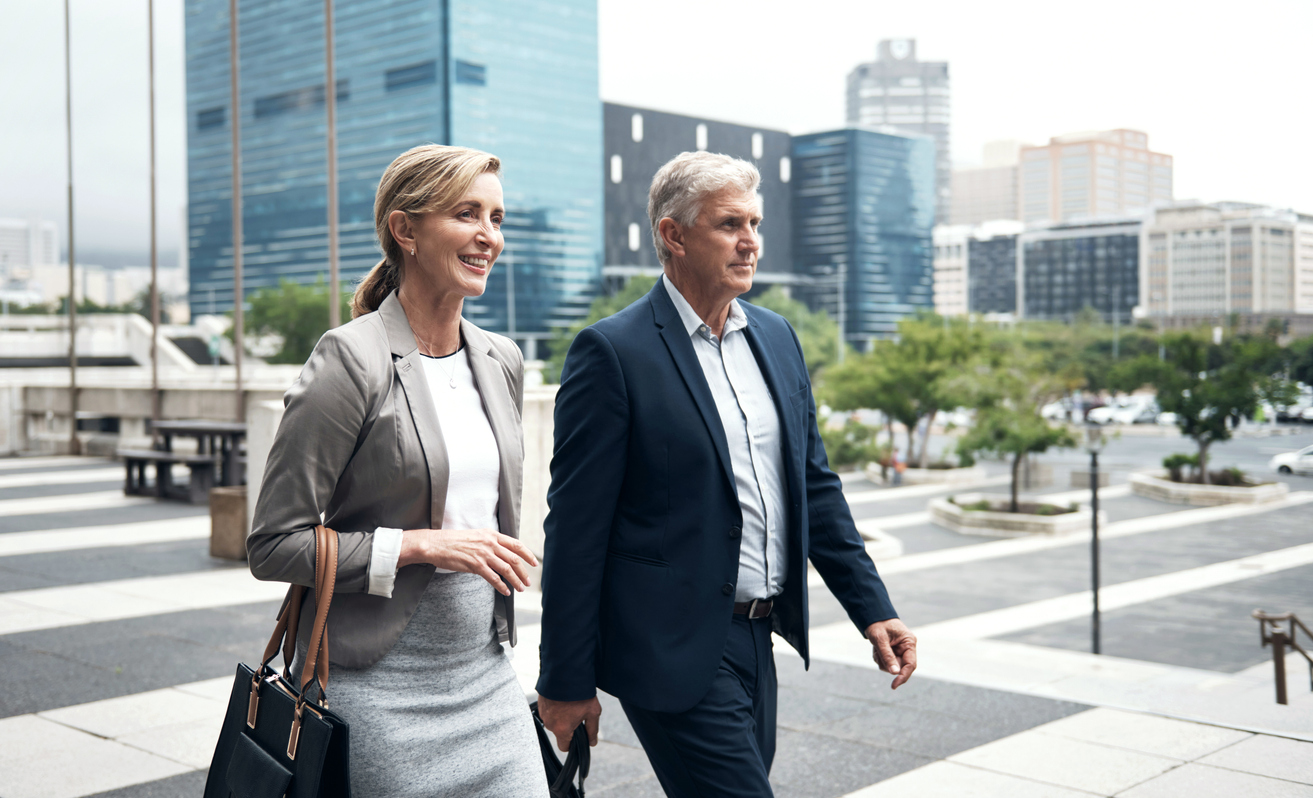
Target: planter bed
[929, 476]
[1156, 485]
[1000, 523]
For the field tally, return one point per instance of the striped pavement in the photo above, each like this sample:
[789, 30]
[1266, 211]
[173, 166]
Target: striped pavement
[119, 636]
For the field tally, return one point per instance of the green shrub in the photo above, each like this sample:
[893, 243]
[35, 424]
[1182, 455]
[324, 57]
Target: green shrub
[1175, 462]
[853, 445]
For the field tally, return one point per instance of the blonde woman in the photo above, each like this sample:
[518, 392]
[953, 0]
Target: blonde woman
[403, 430]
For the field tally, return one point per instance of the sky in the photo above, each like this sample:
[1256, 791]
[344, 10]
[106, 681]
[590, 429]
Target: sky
[1221, 87]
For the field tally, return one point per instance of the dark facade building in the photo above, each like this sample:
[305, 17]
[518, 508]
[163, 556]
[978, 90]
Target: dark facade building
[992, 274]
[1069, 267]
[408, 72]
[639, 141]
[863, 208]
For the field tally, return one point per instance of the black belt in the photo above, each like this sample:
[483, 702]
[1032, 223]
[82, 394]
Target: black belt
[757, 608]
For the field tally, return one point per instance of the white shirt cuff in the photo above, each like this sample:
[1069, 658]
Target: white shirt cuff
[383, 561]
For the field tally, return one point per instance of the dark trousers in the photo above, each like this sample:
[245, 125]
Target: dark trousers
[723, 746]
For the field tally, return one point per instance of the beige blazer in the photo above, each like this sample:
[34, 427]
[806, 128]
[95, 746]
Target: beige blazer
[360, 443]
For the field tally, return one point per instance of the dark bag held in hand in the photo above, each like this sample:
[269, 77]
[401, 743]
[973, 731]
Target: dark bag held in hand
[560, 778]
[275, 741]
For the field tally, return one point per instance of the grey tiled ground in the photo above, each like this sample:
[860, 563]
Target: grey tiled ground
[51, 569]
[153, 511]
[190, 785]
[1209, 629]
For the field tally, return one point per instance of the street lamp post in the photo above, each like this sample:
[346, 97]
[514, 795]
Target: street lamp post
[1094, 443]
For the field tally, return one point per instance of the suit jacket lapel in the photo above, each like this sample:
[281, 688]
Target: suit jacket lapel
[410, 371]
[676, 338]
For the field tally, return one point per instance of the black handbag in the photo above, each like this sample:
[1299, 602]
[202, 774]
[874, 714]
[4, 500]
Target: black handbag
[561, 777]
[275, 740]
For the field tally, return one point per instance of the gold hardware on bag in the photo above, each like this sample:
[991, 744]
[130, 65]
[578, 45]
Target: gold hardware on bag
[253, 705]
[295, 736]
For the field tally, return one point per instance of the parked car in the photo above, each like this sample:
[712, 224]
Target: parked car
[1166, 420]
[1300, 462]
[1307, 415]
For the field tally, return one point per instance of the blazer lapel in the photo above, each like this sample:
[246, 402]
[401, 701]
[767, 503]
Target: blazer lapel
[490, 378]
[410, 371]
[676, 338]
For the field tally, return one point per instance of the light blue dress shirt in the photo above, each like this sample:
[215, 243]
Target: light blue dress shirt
[752, 431]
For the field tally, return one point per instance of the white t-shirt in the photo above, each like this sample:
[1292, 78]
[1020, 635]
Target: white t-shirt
[473, 484]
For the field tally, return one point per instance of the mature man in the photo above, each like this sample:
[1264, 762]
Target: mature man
[689, 489]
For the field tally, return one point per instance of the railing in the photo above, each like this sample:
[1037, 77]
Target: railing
[1270, 632]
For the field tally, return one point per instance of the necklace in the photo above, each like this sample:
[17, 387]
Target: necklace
[451, 375]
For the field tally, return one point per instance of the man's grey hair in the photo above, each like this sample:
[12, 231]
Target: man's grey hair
[680, 187]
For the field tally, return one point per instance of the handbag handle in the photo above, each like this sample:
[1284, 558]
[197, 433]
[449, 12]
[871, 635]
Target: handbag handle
[316, 661]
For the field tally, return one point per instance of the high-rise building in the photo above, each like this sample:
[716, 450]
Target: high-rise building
[863, 208]
[1069, 267]
[1209, 260]
[24, 244]
[519, 80]
[896, 90]
[1088, 175]
[639, 141]
[989, 191]
[976, 268]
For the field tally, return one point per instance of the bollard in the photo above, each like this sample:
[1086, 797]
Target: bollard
[228, 523]
[1279, 661]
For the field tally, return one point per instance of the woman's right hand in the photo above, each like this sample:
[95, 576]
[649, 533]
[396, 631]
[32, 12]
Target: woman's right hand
[485, 552]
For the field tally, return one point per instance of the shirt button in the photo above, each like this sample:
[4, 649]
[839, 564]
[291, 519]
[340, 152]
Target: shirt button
[734, 532]
[727, 589]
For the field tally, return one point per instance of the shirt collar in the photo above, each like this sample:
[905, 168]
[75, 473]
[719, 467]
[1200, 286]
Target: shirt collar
[693, 323]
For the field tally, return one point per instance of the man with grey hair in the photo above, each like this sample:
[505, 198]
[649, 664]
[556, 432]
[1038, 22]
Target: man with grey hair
[689, 490]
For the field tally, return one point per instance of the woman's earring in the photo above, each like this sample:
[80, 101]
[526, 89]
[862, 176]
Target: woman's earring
[412, 250]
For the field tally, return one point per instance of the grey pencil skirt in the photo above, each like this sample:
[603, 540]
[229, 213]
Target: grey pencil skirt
[442, 713]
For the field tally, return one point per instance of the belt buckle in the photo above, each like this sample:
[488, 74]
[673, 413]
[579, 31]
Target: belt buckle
[752, 609]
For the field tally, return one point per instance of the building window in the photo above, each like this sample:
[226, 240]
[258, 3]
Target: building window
[297, 99]
[634, 234]
[471, 74]
[701, 137]
[758, 145]
[636, 127]
[210, 118]
[617, 169]
[786, 169]
[405, 77]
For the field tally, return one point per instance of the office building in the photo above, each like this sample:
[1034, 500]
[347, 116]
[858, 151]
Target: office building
[1103, 174]
[1069, 267]
[639, 141]
[987, 192]
[863, 214]
[976, 268]
[24, 243]
[1211, 260]
[518, 80]
[898, 91]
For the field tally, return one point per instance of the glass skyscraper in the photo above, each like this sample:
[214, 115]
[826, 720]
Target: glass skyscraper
[866, 201]
[518, 79]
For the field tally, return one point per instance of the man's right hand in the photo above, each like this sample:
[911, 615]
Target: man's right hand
[562, 717]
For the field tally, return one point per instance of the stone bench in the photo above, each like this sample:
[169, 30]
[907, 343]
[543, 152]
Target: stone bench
[203, 469]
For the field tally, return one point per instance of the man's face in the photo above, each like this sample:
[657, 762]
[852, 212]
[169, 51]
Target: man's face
[721, 249]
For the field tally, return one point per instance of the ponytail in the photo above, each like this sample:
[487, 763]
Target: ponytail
[382, 280]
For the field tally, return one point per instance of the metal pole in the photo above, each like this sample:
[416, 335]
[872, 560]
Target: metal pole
[239, 342]
[330, 101]
[154, 247]
[843, 272]
[1279, 662]
[1094, 548]
[74, 446]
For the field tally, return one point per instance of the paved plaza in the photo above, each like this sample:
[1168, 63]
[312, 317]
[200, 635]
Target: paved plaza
[119, 636]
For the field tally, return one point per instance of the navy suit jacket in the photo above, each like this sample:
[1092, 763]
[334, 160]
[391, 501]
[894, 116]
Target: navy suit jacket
[642, 548]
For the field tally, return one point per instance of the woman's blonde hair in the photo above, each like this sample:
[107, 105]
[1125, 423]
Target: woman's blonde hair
[422, 180]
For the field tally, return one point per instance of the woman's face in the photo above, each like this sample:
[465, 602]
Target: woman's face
[455, 248]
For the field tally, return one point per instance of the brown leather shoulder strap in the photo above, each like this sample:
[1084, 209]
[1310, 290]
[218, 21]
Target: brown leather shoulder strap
[325, 582]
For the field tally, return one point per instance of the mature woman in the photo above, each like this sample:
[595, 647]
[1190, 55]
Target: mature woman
[403, 430]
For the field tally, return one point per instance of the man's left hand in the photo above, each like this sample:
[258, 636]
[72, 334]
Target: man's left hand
[894, 649]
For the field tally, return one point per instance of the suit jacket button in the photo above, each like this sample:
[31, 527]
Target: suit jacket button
[727, 588]
[734, 532]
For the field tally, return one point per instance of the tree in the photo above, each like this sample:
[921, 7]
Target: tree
[603, 306]
[909, 379]
[817, 332]
[1206, 385]
[1009, 388]
[296, 314]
